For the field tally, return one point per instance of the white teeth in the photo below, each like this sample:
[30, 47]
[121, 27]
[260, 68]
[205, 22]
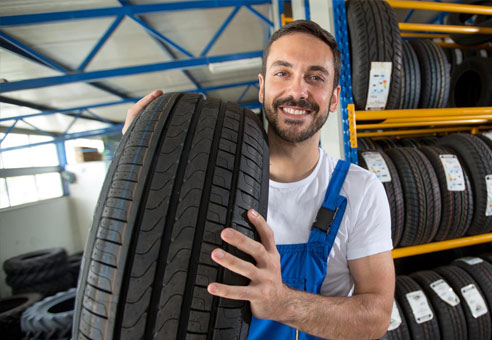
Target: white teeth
[294, 112]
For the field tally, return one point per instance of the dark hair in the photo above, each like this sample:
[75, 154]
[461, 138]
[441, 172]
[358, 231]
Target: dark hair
[312, 28]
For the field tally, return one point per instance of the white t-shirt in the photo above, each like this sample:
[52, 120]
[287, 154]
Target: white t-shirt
[366, 225]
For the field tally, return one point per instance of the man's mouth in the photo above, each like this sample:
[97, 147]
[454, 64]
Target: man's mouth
[295, 111]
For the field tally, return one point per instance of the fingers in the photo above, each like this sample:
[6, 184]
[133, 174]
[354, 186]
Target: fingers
[235, 264]
[265, 232]
[230, 292]
[138, 107]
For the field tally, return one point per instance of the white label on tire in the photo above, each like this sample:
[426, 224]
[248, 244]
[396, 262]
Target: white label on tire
[376, 164]
[471, 260]
[488, 134]
[459, 56]
[454, 173]
[395, 320]
[445, 292]
[488, 210]
[420, 306]
[474, 300]
[379, 85]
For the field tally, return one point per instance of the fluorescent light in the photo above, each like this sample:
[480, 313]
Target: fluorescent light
[235, 65]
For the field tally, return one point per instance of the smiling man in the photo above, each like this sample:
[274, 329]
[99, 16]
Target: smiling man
[323, 268]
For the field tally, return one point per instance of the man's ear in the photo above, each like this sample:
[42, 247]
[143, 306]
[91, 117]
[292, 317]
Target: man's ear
[261, 80]
[335, 99]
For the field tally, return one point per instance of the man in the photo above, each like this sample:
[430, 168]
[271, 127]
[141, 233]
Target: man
[292, 285]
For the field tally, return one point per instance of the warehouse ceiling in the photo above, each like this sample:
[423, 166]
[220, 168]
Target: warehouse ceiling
[50, 53]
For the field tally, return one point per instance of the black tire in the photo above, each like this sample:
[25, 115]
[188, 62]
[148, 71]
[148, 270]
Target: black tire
[452, 322]
[395, 196]
[387, 143]
[462, 19]
[401, 332]
[11, 309]
[46, 288]
[426, 330]
[410, 88]
[421, 195]
[46, 260]
[487, 257]
[481, 271]
[365, 144]
[374, 36]
[145, 270]
[435, 76]
[476, 158]
[472, 83]
[456, 206]
[74, 262]
[50, 318]
[485, 139]
[478, 328]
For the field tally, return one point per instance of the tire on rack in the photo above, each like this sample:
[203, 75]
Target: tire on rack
[451, 319]
[186, 169]
[11, 309]
[435, 76]
[481, 271]
[393, 191]
[456, 206]
[50, 318]
[425, 330]
[476, 158]
[421, 195]
[478, 328]
[410, 89]
[374, 36]
[401, 332]
[471, 83]
[461, 19]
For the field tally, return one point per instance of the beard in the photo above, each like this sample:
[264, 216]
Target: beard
[293, 132]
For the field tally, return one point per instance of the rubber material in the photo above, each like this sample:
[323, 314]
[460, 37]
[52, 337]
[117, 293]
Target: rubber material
[374, 36]
[50, 318]
[421, 195]
[476, 158]
[11, 309]
[411, 83]
[186, 168]
[471, 84]
[461, 19]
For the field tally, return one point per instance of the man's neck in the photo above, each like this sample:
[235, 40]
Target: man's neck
[292, 162]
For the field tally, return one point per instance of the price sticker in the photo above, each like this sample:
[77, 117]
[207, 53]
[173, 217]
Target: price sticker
[454, 173]
[379, 85]
[376, 164]
[445, 292]
[395, 320]
[474, 300]
[420, 306]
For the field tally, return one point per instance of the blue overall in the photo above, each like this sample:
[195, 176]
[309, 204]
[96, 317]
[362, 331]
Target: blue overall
[304, 265]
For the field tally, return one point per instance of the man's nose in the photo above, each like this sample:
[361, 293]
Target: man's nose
[298, 88]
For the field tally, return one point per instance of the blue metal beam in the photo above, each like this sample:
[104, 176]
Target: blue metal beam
[123, 71]
[100, 43]
[29, 19]
[160, 36]
[259, 15]
[114, 129]
[45, 112]
[26, 52]
[220, 31]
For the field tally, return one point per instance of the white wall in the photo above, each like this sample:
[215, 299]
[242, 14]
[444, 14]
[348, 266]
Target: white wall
[30, 227]
[60, 222]
[84, 193]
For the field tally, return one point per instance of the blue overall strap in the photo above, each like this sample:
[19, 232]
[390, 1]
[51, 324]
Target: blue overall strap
[333, 203]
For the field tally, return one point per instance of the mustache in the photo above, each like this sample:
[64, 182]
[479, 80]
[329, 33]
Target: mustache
[302, 103]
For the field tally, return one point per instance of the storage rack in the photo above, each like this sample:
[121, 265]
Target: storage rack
[410, 122]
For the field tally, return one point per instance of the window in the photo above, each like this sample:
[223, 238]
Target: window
[28, 174]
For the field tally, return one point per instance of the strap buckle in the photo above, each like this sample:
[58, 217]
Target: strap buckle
[324, 219]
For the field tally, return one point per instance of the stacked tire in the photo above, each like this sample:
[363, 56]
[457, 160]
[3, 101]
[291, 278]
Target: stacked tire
[43, 271]
[444, 182]
[449, 302]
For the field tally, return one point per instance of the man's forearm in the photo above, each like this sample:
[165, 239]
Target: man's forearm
[356, 317]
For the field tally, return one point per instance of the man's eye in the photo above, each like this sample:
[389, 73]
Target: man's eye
[316, 78]
[281, 74]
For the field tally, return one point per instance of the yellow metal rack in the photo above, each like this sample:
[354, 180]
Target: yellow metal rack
[443, 245]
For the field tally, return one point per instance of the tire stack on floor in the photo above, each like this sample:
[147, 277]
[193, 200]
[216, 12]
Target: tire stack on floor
[43, 301]
[440, 190]
[452, 302]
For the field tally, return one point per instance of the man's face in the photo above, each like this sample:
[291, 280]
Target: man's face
[297, 89]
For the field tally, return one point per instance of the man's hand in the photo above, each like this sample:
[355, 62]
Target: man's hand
[266, 292]
[138, 107]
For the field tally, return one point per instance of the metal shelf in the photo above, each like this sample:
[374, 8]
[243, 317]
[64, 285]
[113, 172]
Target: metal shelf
[443, 245]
